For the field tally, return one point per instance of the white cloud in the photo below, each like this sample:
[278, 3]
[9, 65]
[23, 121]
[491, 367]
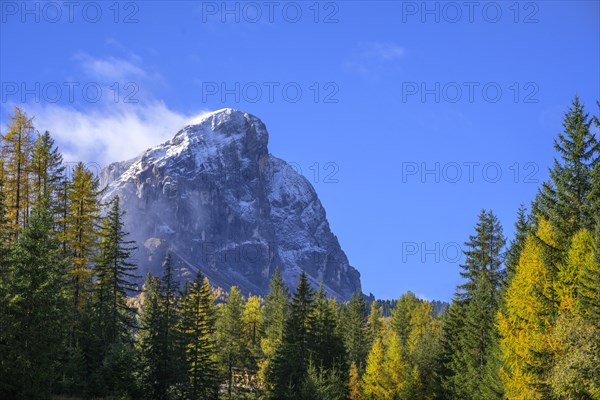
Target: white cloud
[108, 134]
[113, 69]
[109, 130]
[120, 47]
[381, 51]
[369, 59]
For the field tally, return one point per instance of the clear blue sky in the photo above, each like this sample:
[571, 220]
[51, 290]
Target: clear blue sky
[388, 89]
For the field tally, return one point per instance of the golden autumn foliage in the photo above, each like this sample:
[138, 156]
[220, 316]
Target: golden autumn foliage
[527, 320]
[375, 380]
[387, 373]
[574, 374]
[588, 277]
[354, 384]
[580, 256]
[15, 157]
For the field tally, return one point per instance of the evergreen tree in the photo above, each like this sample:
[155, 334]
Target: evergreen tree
[516, 246]
[33, 329]
[451, 333]
[169, 309]
[375, 321]
[47, 169]
[115, 278]
[355, 331]
[478, 352]
[291, 362]
[118, 372]
[326, 346]
[198, 323]
[594, 194]
[150, 340]
[484, 256]
[402, 316]
[230, 333]
[566, 198]
[272, 322]
[473, 343]
[323, 384]
[181, 340]
[157, 334]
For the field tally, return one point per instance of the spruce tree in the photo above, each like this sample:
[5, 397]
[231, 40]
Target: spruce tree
[323, 384]
[157, 336]
[594, 194]
[516, 245]
[274, 312]
[291, 361]
[230, 333]
[150, 340]
[470, 351]
[34, 329]
[198, 334]
[326, 346]
[566, 198]
[484, 256]
[355, 331]
[375, 321]
[402, 316]
[451, 332]
[114, 278]
[272, 322]
[47, 169]
[169, 307]
[478, 352]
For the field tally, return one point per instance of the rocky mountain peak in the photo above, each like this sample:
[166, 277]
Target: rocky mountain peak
[227, 208]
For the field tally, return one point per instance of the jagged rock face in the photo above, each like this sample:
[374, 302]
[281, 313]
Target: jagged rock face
[227, 208]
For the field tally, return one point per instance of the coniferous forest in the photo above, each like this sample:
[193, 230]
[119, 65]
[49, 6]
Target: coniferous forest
[523, 324]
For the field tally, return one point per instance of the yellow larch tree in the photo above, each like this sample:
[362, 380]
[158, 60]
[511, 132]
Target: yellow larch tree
[525, 324]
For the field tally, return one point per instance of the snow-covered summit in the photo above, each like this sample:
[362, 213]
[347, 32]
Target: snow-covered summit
[228, 208]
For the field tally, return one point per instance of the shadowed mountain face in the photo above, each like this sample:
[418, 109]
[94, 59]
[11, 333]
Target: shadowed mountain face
[229, 209]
